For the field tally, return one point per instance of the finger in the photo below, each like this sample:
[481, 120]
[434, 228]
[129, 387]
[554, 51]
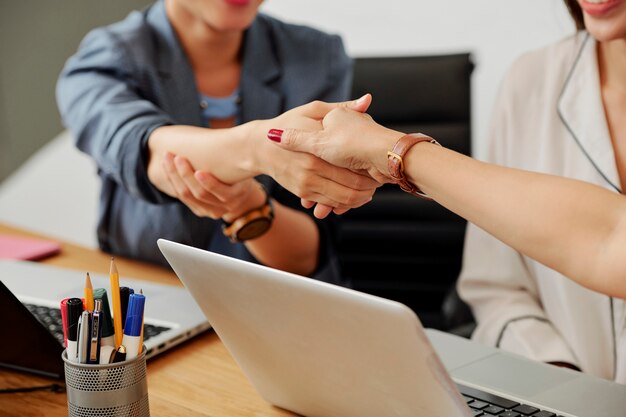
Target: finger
[321, 211]
[318, 109]
[361, 104]
[339, 211]
[186, 172]
[307, 203]
[174, 178]
[232, 197]
[334, 195]
[199, 208]
[348, 178]
[211, 183]
[297, 140]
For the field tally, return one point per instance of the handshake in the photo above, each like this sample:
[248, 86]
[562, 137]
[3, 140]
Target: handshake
[331, 155]
[349, 139]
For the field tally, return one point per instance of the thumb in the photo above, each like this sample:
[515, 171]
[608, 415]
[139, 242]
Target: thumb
[295, 139]
[361, 104]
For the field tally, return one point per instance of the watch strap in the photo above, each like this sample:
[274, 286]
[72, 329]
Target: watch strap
[395, 161]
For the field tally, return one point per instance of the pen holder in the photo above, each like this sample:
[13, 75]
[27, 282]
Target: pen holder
[115, 389]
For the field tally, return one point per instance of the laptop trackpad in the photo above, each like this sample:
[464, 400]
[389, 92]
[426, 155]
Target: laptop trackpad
[508, 374]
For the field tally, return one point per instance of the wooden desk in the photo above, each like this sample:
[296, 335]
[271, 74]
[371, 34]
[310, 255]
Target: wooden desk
[197, 378]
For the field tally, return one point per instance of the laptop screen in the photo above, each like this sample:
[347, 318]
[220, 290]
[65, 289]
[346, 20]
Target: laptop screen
[28, 345]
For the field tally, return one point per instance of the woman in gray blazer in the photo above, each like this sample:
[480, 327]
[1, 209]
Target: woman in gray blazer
[185, 82]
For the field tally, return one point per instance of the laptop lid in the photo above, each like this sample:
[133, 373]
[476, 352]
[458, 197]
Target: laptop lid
[22, 332]
[169, 309]
[315, 348]
[319, 349]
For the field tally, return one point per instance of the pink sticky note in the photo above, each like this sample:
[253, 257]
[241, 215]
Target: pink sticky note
[25, 248]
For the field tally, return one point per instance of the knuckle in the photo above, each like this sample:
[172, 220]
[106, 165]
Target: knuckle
[203, 195]
[310, 163]
[306, 182]
[351, 198]
[317, 104]
[185, 194]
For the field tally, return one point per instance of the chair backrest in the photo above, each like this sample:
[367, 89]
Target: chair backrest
[399, 246]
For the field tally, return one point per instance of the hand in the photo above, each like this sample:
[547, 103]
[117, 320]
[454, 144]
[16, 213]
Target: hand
[206, 196]
[310, 177]
[349, 139]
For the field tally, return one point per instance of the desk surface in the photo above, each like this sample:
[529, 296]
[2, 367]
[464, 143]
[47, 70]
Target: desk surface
[197, 378]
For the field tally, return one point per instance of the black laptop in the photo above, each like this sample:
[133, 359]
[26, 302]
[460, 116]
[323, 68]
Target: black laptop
[29, 345]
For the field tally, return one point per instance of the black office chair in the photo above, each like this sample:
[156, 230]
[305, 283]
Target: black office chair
[399, 246]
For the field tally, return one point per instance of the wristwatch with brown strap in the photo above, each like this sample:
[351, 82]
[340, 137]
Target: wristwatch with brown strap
[395, 162]
[251, 224]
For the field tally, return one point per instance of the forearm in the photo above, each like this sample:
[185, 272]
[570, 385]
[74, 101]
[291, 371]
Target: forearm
[573, 227]
[501, 290]
[291, 244]
[226, 153]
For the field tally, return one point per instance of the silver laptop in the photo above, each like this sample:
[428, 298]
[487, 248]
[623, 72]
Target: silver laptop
[322, 350]
[171, 314]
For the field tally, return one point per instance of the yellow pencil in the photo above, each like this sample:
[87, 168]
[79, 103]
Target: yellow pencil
[114, 277]
[141, 334]
[89, 303]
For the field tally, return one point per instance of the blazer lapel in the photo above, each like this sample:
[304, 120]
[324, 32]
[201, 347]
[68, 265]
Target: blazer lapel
[261, 99]
[581, 110]
[174, 70]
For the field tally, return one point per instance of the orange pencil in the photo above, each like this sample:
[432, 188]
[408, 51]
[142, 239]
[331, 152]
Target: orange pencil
[89, 303]
[114, 278]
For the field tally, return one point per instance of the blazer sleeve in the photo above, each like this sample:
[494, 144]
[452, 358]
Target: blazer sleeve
[496, 280]
[98, 95]
[340, 71]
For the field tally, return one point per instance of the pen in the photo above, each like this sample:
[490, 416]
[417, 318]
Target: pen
[107, 337]
[74, 311]
[96, 329]
[88, 293]
[134, 321]
[106, 354]
[125, 292]
[83, 337]
[118, 355]
[115, 298]
[141, 334]
[64, 319]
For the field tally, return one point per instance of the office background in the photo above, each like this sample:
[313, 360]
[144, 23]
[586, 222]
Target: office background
[37, 37]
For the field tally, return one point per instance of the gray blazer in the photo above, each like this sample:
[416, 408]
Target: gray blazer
[132, 77]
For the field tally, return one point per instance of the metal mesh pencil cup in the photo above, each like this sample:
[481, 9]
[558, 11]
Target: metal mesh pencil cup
[112, 390]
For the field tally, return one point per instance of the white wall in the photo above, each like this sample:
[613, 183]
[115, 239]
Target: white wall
[495, 31]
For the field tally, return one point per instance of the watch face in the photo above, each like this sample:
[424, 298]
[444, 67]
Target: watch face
[254, 229]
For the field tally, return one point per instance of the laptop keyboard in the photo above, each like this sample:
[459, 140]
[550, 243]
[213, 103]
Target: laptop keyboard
[490, 405]
[50, 317]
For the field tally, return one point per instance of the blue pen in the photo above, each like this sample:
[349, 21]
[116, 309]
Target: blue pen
[96, 332]
[133, 325]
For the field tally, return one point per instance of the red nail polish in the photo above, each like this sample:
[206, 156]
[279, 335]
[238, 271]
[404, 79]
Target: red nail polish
[275, 135]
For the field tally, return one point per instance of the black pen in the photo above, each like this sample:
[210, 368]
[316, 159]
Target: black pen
[118, 355]
[74, 310]
[125, 293]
